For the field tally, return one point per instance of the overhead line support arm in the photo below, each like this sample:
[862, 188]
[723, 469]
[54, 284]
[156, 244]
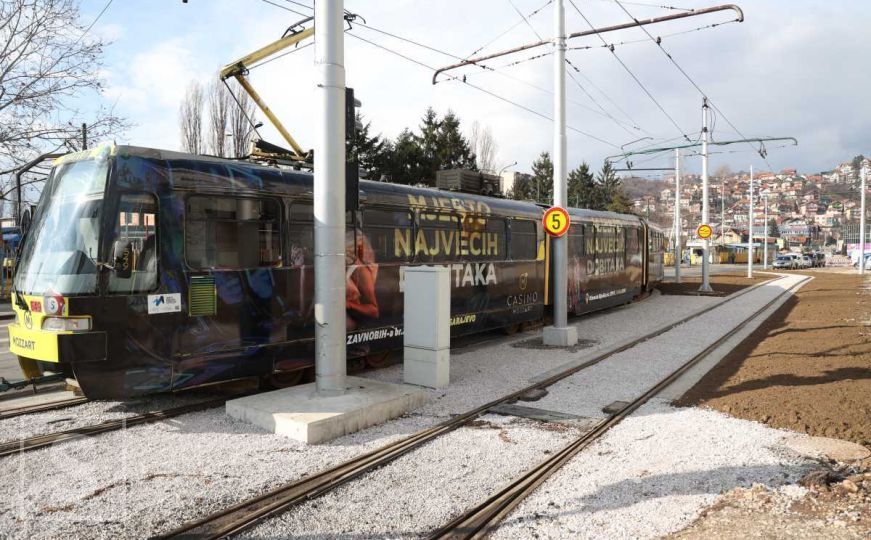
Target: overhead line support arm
[606, 29]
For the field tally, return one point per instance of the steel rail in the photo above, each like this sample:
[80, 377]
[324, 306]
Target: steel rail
[241, 516]
[41, 441]
[41, 407]
[635, 23]
[480, 521]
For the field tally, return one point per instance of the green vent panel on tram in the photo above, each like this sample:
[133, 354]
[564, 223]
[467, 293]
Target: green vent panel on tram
[202, 297]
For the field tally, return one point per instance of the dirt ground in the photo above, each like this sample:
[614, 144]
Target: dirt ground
[806, 369]
[723, 284]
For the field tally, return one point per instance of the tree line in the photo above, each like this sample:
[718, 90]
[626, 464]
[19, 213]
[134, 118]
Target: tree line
[415, 157]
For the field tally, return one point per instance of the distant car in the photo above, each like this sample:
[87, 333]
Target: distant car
[805, 261]
[819, 260]
[856, 262]
[786, 262]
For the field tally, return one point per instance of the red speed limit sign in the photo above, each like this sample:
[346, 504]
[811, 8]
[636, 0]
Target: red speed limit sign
[556, 221]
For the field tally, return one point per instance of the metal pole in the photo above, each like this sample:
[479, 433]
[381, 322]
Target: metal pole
[750, 229]
[765, 247]
[706, 285]
[84, 136]
[560, 334]
[723, 214]
[677, 227]
[329, 198]
[862, 174]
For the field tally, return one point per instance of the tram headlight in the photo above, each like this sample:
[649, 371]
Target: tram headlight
[66, 324]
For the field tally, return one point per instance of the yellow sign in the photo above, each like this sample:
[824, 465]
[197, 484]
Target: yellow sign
[704, 231]
[556, 221]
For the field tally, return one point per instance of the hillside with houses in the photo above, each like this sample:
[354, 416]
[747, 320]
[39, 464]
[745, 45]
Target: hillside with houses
[804, 210]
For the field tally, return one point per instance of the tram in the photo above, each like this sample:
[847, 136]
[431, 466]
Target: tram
[148, 271]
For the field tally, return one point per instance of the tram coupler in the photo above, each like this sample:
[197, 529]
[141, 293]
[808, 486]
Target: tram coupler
[6, 385]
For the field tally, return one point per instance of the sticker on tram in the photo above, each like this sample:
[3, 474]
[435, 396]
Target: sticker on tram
[164, 303]
[556, 221]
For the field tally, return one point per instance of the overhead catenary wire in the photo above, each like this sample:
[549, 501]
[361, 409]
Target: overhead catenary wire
[450, 55]
[629, 71]
[484, 90]
[686, 75]
[571, 75]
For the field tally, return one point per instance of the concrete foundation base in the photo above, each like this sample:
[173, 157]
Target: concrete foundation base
[560, 337]
[300, 414]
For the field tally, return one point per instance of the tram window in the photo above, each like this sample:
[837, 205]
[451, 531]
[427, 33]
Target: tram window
[482, 239]
[232, 233]
[390, 233]
[438, 240]
[136, 226]
[302, 239]
[524, 240]
[576, 240]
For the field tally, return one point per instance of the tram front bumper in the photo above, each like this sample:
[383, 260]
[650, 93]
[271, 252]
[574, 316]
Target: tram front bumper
[69, 347]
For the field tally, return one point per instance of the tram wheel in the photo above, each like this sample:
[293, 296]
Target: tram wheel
[511, 329]
[379, 360]
[285, 379]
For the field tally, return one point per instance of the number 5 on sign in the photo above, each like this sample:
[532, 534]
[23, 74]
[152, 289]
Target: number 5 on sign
[556, 221]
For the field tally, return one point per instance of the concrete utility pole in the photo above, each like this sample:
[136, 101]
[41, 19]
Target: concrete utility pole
[750, 229]
[560, 334]
[329, 198]
[723, 214]
[862, 174]
[765, 248]
[706, 285]
[677, 227]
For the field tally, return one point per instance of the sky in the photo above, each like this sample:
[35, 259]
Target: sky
[792, 68]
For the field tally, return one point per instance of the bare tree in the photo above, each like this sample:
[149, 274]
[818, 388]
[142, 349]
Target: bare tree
[220, 103]
[484, 146]
[723, 171]
[191, 119]
[48, 63]
[242, 121]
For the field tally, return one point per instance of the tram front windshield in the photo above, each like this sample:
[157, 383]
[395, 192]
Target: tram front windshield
[60, 253]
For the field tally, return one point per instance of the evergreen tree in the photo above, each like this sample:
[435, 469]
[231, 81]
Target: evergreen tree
[611, 187]
[583, 192]
[523, 189]
[453, 149]
[542, 179]
[405, 161]
[372, 153]
[428, 144]
[773, 229]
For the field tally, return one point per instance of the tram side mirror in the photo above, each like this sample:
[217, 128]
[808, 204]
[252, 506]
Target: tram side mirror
[25, 222]
[122, 253]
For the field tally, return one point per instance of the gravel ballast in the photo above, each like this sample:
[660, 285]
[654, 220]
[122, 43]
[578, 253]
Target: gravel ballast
[149, 479]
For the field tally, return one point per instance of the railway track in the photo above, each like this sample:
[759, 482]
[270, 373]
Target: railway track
[241, 516]
[41, 407]
[41, 441]
[482, 519]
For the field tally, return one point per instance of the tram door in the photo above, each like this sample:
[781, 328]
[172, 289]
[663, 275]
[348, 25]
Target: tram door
[236, 281]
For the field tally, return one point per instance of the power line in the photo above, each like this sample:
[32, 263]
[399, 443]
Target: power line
[515, 25]
[646, 91]
[572, 77]
[462, 80]
[450, 55]
[690, 79]
[480, 89]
